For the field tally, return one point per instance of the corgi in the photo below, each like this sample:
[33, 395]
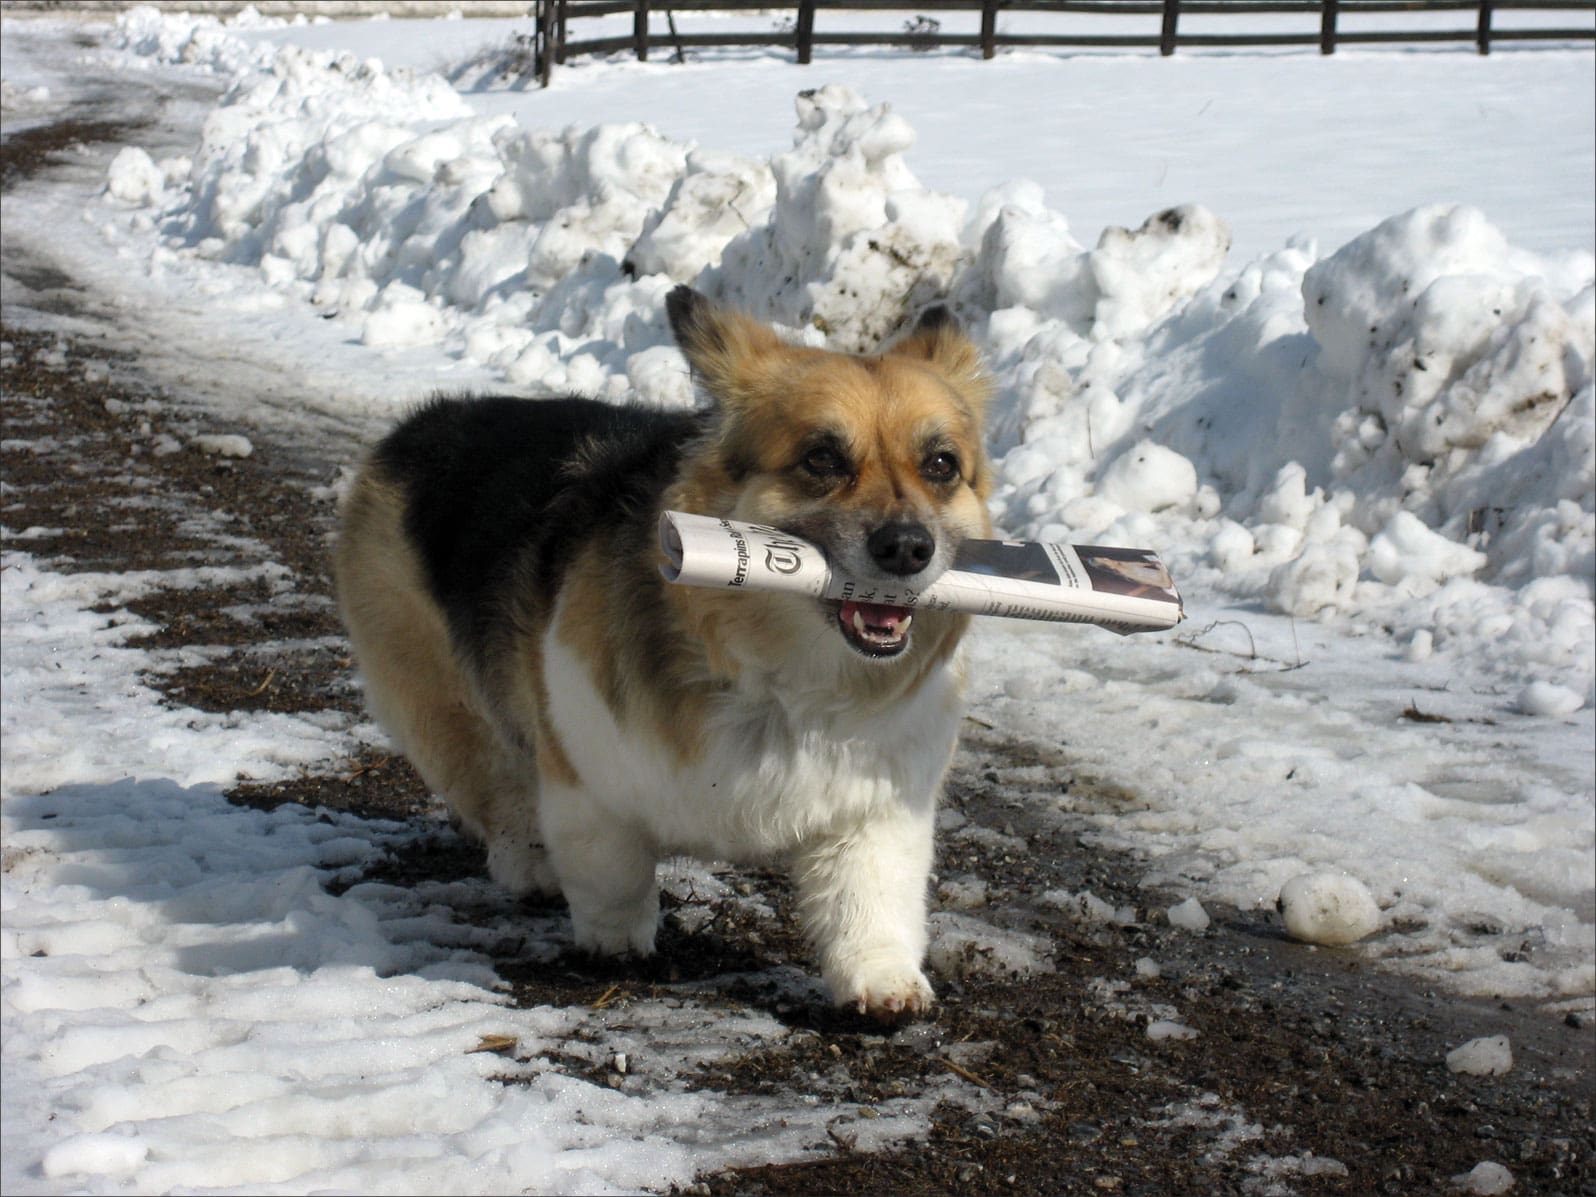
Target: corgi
[497, 568]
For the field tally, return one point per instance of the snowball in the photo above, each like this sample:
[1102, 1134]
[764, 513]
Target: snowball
[1188, 915]
[1164, 1028]
[1148, 477]
[1328, 908]
[1490, 1055]
[1549, 699]
[1406, 550]
[1487, 1178]
[133, 176]
[221, 445]
[402, 322]
[1231, 547]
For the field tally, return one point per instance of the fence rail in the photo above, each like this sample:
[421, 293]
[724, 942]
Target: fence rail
[554, 43]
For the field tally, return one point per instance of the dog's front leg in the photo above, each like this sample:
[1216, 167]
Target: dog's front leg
[606, 869]
[862, 902]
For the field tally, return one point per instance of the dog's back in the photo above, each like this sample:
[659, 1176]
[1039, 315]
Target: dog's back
[500, 491]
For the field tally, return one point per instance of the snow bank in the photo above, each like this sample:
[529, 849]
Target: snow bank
[1399, 434]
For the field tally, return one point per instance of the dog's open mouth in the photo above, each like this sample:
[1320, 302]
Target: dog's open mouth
[875, 629]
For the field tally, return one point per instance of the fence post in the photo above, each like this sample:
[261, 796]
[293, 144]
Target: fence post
[806, 31]
[1166, 37]
[1327, 26]
[988, 28]
[543, 41]
[1482, 36]
[559, 35]
[640, 30]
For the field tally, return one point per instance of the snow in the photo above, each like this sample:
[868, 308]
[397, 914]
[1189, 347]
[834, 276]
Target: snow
[1486, 1179]
[1188, 915]
[1160, 1029]
[1489, 1055]
[1341, 382]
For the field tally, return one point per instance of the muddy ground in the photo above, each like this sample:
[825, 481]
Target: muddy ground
[1308, 1073]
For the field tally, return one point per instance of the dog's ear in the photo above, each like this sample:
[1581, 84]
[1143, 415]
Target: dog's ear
[723, 347]
[937, 340]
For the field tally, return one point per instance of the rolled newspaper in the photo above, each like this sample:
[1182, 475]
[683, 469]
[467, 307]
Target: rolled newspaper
[1124, 590]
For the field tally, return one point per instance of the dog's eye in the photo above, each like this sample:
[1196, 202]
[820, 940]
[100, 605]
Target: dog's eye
[824, 462]
[940, 467]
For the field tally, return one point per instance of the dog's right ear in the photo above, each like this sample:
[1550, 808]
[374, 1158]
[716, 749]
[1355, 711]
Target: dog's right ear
[724, 348]
[938, 340]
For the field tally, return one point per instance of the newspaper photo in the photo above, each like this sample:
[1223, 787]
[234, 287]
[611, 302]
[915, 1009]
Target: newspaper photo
[1124, 590]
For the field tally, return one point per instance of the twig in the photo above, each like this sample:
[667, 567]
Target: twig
[1191, 641]
[1252, 647]
[261, 689]
[964, 1072]
[606, 997]
[364, 769]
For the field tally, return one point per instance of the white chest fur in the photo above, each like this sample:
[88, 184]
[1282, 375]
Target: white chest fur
[769, 768]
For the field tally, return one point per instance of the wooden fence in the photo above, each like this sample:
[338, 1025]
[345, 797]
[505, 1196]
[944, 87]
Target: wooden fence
[555, 18]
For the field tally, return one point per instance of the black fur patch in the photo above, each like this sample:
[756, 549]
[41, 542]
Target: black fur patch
[501, 492]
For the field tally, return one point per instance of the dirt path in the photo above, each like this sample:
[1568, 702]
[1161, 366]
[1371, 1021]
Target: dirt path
[1306, 1073]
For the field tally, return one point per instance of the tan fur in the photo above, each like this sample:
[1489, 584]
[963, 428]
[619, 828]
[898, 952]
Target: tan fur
[414, 683]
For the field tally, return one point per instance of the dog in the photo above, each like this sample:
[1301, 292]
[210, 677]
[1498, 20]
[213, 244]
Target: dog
[497, 569]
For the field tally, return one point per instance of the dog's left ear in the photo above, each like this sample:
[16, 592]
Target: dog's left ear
[937, 340]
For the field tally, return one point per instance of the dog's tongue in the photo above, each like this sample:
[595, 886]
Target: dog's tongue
[877, 620]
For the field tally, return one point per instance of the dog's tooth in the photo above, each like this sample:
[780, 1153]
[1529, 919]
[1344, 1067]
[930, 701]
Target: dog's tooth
[904, 625]
[858, 621]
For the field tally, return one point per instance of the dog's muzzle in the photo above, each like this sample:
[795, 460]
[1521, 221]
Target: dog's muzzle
[902, 548]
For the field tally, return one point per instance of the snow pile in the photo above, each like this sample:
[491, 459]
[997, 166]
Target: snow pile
[1400, 433]
[1380, 433]
[196, 39]
[853, 244]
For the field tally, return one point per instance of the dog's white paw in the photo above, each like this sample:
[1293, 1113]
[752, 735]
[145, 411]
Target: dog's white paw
[886, 993]
[632, 935]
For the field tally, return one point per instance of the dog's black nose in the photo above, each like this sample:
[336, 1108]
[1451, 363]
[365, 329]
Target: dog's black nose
[901, 547]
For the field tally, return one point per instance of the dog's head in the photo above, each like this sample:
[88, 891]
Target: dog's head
[876, 458]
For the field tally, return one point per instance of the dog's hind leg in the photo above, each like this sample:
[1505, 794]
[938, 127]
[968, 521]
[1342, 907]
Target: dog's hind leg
[417, 690]
[606, 871]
